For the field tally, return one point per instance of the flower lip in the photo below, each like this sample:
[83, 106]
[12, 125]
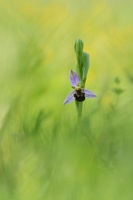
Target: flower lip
[74, 79]
[79, 97]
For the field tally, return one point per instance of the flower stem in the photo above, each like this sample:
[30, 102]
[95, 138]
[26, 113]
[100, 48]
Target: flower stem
[79, 106]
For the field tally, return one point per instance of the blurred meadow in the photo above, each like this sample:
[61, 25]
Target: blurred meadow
[43, 153]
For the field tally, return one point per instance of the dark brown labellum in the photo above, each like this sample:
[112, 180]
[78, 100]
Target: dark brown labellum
[80, 97]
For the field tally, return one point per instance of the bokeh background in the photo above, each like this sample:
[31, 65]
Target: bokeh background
[44, 154]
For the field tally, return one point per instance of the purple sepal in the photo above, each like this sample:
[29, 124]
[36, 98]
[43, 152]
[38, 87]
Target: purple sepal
[88, 93]
[74, 79]
[69, 98]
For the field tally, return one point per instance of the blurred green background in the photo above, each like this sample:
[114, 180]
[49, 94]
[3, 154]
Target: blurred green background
[43, 153]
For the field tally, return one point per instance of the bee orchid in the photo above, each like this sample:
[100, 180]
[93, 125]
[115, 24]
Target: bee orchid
[79, 93]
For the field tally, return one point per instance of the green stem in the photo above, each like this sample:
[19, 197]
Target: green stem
[79, 106]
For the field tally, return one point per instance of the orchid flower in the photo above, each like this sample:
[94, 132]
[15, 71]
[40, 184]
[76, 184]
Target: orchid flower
[79, 93]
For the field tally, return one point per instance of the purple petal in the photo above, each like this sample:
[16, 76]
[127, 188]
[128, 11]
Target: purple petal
[74, 79]
[88, 93]
[69, 98]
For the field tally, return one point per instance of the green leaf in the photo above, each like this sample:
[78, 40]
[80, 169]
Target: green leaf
[79, 55]
[86, 63]
[118, 91]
